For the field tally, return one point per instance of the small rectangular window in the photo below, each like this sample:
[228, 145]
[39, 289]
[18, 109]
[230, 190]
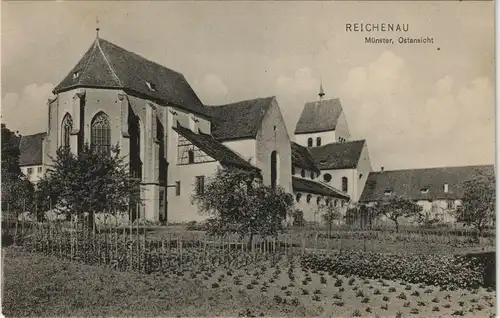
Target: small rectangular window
[30, 171]
[151, 86]
[76, 75]
[39, 169]
[446, 188]
[200, 184]
[177, 188]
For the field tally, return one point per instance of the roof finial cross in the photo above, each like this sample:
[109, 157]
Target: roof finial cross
[97, 28]
[321, 92]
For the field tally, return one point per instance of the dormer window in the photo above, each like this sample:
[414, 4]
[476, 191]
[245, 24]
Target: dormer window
[76, 75]
[388, 192]
[424, 190]
[151, 86]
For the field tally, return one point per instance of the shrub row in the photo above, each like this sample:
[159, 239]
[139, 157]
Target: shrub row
[448, 272]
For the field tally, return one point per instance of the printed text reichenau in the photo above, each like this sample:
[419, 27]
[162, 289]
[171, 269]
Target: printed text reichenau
[376, 27]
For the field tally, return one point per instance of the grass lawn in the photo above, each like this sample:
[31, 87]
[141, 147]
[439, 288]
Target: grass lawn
[37, 285]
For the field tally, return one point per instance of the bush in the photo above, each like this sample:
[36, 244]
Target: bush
[444, 271]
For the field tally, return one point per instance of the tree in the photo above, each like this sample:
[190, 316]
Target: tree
[329, 213]
[17, 190]
[397, 207]
[478, 202]
[92, 181]
[298, 218]
[238, 202]
[361, 213]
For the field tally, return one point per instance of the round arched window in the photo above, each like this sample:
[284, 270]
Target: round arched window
[318, 200]
[336, 203]
[313, 175]
[297, 197]
[309, 198]
[303, 173]
[342, 203]
[327, 177]
[327, 201]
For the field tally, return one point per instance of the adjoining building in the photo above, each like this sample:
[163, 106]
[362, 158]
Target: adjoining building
[31, 159]
[344, 164]
[438, 190]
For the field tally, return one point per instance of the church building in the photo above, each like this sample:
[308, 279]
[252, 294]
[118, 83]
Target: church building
[174, 143]
[171, 141]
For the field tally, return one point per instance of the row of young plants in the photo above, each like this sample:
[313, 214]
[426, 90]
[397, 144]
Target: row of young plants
[150, 256]
[412, 236]
[447, 272]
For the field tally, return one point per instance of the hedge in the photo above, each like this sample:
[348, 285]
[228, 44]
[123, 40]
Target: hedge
[448, 272]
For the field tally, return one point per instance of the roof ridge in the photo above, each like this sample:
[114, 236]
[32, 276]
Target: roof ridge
[88, 61]
[431, 168]
[107, 62]
[142, 57]
[341, 143]
[242, 101]
[323, 101]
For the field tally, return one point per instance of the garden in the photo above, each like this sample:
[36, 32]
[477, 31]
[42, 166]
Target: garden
[244, 262]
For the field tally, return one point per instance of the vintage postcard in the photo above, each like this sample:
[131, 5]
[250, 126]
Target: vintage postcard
[244, 159]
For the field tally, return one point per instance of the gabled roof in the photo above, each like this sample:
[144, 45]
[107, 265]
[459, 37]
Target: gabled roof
[31, 149]
[214, 148]
[412, 183]
[309, 186]
[239, 120]
[106, 65]
[319, 116]
[302, 158]
[338, 155]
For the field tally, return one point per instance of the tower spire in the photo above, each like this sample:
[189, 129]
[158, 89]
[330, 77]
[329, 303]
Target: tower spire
[97, 26]
[321, 92]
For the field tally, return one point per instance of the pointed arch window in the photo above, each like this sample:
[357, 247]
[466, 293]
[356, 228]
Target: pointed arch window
[190, 156]
[67, 126]
[100, 134]
[274, 168]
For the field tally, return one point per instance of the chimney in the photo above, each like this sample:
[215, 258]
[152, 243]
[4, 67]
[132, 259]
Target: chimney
[382, 169]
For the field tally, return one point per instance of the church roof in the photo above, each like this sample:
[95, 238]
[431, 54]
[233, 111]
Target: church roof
[31, 149]
[309, 186]
[302, 158]
[106, 65]
[338, 155]
[421, 184]
[239, 120]
[319, 116]
[214, 148]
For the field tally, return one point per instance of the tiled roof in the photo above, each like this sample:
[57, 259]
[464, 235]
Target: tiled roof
[410, 183]
[341, 155]
[214, 148]
[302, 158]
[319, 116]
[107, 65]
[31, 149]
[239, 120]
[309, 186]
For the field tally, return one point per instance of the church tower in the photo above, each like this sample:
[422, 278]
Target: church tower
[321, 122]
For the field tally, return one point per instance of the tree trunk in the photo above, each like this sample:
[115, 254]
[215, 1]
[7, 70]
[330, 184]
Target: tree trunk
[397, 225]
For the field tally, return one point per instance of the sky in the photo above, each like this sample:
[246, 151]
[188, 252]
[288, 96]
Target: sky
[417, 105]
